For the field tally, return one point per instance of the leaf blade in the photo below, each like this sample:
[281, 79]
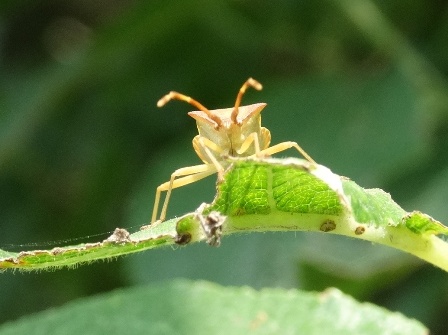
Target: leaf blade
[205, 308]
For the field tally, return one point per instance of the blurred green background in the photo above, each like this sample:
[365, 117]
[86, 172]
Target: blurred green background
[361, 85]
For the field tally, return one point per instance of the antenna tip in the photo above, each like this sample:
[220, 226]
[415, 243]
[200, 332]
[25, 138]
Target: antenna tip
[163, 100]
[160, 103]
[255, 84]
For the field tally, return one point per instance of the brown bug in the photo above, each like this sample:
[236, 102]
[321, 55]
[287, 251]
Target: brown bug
[234, 132]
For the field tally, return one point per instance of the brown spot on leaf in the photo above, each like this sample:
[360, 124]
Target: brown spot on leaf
[327, 226]
[183, 239]
[360, 230]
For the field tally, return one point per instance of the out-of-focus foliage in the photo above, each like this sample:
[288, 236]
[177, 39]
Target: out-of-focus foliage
[360, 85]
[185, 307]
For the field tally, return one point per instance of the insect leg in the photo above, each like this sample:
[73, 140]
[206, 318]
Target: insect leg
[252, 138]
[205, 144]
[284, 146]
[188, 175]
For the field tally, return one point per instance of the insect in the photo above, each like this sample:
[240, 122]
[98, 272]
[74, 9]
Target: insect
[223, 133]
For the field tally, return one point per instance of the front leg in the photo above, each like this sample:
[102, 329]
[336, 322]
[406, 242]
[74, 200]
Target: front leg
[253, 138]
[203, 147]
[189, 175]
[260, 141]
[284, 146]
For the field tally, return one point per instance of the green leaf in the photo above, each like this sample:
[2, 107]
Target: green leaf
[372, 206]
[268, 195]
[184, 307]
[420, 223]
[249, 189]
[318, 200]
[119, 243]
